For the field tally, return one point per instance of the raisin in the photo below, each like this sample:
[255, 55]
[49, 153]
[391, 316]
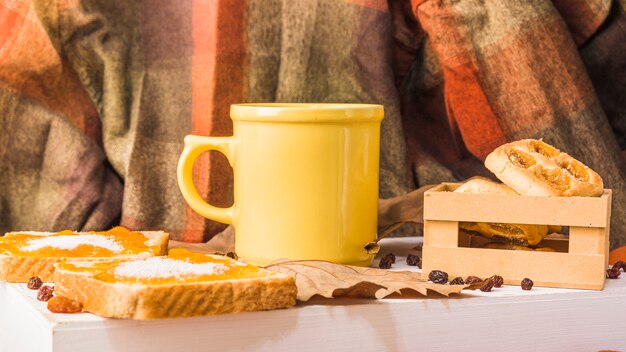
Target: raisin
[613, 273]
[527, 284]
[457, 281]
[413, 260]
[232, 255]
[497, 281]
[419, 264]
[45, 293]
[487, 286]
[620, 265]
[385, 262]
[392, 257]
[34, 283]
[60, 304]
[438, 277]
[473, 280]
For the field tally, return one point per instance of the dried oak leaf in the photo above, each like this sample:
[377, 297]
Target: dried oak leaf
[335, 280]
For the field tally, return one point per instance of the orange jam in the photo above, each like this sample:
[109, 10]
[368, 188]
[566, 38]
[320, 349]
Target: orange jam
[180, 266]
[115, 242]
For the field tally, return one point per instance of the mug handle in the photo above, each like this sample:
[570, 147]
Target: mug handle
[194, 146]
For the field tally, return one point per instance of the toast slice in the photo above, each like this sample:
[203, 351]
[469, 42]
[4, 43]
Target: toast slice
[183, 284]
[27, 254]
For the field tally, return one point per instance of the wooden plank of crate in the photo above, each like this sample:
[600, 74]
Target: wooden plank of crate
[444, 233]
[588, 218]
[513, 209]
[544, 268]
[607, 228]
[587, 240]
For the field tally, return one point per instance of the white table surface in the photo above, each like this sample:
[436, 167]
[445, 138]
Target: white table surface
[506, 319]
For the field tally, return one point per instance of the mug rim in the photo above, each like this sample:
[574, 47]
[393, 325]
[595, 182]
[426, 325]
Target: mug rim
[306, 112]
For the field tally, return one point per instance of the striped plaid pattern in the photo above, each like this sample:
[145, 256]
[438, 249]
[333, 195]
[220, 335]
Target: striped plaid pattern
[96, 97]
[121, 83]
[510, 70]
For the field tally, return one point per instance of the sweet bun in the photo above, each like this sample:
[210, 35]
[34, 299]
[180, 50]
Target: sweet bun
[484, 185]
[509, 246]
[532, 167]
[521, 234]
[555, 228]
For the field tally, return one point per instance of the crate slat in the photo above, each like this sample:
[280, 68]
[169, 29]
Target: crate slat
[582, 266]
[573, 211]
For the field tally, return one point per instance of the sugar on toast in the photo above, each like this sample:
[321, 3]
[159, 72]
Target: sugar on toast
[182, 284]
[27, 254]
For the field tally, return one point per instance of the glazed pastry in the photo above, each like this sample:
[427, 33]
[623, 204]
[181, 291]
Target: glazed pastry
[532, 167]
[520, 234]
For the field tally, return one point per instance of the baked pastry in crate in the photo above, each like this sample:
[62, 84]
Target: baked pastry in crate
[532, 167]
[535, 168]
[510, 246]
[519, 234]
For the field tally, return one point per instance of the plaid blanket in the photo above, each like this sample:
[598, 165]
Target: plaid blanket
[96, 97]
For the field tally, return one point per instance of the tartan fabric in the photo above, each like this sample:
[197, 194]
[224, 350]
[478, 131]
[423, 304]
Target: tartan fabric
[128, 80]
[96, 97]
[501, 77]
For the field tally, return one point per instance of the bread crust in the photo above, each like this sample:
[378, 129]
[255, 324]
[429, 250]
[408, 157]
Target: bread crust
[480, 184]
[509, 246]
[522, 234]
[534, 168]
[22, 268]
[143, 302]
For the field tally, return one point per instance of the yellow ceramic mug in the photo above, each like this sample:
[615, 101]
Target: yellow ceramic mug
[305, 180]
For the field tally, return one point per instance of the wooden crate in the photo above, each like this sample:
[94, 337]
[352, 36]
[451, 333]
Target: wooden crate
[582, 266]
